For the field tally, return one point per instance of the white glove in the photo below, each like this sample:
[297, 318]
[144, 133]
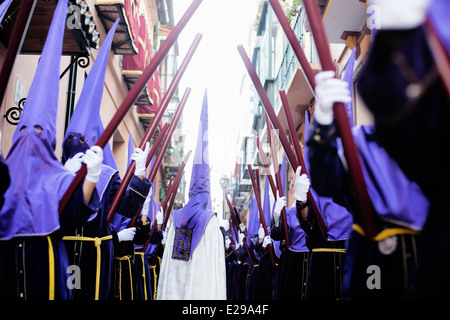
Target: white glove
[227, 242]
[126, 234]
[93, 159]
[146, 205]
[74, 164]
[267, 240]
[160, 217]
[241, 239]
[261, 233]
[242, 227]
[398, 14]
[329, 90]
[224, 224]
[140, 158]
[279, 205]
[301, 185]
[164, 239]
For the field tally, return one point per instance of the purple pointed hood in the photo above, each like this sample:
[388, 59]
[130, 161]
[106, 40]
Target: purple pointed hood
[253, 220]
[82, 131]
[120, 222]
[438, 15]
[85, 126]
[38, 179]
[266, 203]
[200, 187]
[108, 156]
[41, 105]
[196, 213]
[348, 77]
[130, 149]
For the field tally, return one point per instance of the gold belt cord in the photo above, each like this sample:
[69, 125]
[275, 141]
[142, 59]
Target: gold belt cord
[97, 243]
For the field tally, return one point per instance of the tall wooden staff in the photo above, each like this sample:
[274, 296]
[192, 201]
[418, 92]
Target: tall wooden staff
[364, 203]
[131, 98]
[273, 118]
[16, 39]
[164, 145]
[366, 210]
[230, 233]
[234, 217]
[171, 192]
[153, 150]
[298, 151]
[266, 168]
[278, 181]
[167, 205]
[260, 210]
[295, 45]
[152, 128]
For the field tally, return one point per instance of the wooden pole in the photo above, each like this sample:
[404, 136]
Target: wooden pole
[268, 107]
[131, 97]
[279, 184]
[174, 189]
[176, 117]
[234, 216]
[162, 149]
[298, 151]
[365, 206]
[16, 39]
[155, 147]
[171, 194]
[261, 214]
[273, 118]
[153, 125]
[290, 35]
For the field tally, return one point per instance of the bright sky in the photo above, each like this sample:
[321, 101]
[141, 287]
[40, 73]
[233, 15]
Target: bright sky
[217, 67]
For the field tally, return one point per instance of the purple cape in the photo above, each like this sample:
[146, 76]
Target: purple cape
[266, 203]
[395, 198]
[296, 233]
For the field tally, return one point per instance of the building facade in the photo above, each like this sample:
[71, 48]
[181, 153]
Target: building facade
[142, 28]
[346, 27]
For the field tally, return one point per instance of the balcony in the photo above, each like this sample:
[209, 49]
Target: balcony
[108, 11]
[290, 76]
[79, 35]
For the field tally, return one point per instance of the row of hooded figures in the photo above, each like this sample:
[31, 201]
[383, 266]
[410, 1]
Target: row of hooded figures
[77, 254]
[404, 165]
